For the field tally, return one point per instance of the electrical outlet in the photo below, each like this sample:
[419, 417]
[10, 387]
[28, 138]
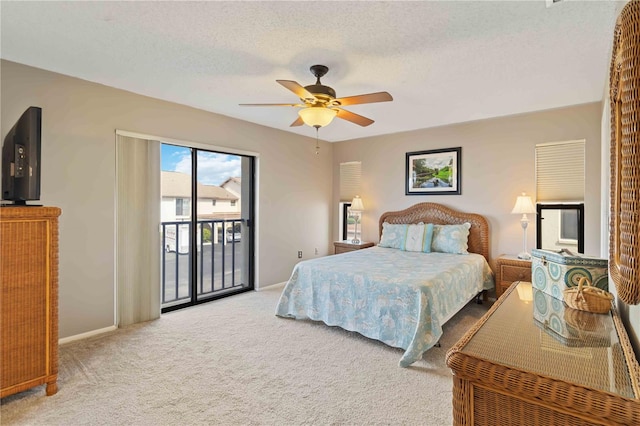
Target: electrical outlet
[316, 251]
[300, 254]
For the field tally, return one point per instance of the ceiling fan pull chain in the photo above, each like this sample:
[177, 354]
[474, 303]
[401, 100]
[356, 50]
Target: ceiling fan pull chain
[317, 144]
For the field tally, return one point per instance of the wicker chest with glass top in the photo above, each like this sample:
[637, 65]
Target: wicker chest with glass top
[569, 367]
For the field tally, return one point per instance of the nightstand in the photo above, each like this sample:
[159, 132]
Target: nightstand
[345, 246]
[509, 269]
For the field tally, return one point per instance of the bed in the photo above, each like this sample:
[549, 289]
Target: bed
[399, 297]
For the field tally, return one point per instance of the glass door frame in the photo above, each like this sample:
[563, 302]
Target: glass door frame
[193, 234]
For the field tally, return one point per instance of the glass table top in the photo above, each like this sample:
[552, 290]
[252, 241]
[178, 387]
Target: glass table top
[536, 333]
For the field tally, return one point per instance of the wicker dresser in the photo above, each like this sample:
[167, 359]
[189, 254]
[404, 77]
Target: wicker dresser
[29, 298]
[510, 369]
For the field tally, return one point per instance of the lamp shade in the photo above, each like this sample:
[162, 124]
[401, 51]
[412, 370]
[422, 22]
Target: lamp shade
[356, 204]
[523, 205]
[317, 116]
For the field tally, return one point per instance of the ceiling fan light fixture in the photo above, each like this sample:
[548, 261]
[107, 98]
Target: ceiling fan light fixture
[320, 105]
[317, 116]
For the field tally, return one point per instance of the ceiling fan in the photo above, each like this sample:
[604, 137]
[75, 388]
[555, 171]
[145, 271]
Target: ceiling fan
[320, 105]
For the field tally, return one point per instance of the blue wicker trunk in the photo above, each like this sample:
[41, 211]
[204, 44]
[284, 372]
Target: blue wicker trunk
[553, 272]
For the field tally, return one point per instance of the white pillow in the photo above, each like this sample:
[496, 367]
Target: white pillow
[451, 238]
[415, 237]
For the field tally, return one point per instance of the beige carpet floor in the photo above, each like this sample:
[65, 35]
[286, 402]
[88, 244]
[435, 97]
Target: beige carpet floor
[233, 362]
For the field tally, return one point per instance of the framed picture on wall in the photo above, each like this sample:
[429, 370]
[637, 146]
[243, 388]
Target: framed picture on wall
[433, 172]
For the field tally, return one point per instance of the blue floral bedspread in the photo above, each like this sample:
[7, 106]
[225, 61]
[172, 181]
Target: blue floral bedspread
[395, 296]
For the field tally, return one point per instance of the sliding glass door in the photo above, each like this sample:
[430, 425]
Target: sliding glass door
[207, 244]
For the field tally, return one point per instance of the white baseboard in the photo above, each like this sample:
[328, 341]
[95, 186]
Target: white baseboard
[86, 335]
[113, 327]
[272, 286]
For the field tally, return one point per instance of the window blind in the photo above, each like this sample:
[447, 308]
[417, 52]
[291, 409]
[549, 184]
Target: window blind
[560, 171]
[350, 174]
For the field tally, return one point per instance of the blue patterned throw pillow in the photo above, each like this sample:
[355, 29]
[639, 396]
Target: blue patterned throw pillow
[451, 238]
[428, 238]
[393, 235]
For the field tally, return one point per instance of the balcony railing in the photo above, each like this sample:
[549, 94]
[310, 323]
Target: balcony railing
[219, 259]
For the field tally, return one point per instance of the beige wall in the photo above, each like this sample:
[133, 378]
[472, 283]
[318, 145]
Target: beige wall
[79, 120]
[497, 165]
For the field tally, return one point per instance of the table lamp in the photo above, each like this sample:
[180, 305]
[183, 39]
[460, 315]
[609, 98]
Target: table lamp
[523, 206]
[356, 207]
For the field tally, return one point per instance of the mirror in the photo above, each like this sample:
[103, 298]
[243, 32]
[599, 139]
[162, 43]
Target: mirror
[560, 226]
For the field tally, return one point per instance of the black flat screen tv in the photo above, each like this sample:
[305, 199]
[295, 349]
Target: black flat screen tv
[21, 159]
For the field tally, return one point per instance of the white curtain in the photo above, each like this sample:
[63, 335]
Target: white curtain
[137, 229]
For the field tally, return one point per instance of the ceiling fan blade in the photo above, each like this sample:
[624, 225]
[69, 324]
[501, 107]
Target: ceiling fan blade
[364, 99]
[298, 122]
[291, 105]
[354, 118]
[300, 91]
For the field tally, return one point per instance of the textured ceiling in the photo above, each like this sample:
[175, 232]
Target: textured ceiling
[443, 62]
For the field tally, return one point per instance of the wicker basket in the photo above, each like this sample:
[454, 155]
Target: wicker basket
[586, 297]
[583, 321]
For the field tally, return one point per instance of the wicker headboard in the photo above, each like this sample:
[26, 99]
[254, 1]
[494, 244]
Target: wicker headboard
[441, 215]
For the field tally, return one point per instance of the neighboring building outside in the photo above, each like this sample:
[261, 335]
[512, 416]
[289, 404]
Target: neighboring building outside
[214, 203]
[233, 185]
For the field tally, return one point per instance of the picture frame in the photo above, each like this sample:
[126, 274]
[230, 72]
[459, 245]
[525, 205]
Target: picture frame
[434, 172]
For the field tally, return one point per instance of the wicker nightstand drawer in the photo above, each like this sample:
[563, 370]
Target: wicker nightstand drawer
[346, 246]
[515, 273]
[510, 269]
